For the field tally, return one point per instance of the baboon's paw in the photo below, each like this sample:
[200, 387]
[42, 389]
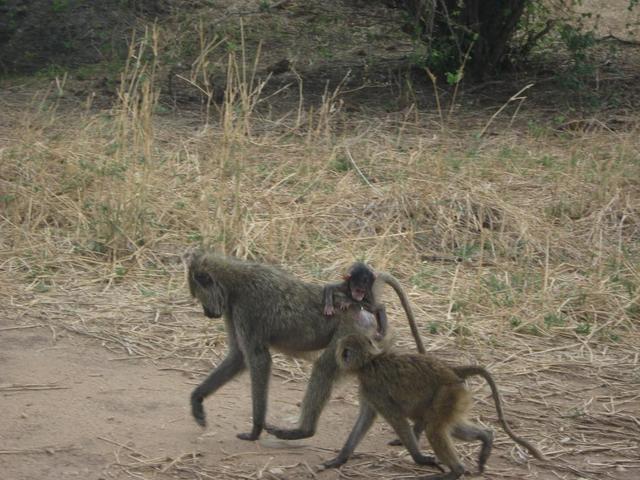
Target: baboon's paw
[250, 436]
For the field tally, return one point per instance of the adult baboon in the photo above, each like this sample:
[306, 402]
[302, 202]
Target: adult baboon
[421, 388]
[264, 307]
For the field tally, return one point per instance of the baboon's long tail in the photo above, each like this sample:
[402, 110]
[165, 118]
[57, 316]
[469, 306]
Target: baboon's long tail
[393, 282]
[471, 370]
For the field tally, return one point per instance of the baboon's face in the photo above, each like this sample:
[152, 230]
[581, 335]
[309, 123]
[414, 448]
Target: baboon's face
[209, 292]
[360, 279]
[357, 292]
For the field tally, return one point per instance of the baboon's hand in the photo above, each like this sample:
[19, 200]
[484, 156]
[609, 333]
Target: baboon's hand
[329, 310]
[344, 305]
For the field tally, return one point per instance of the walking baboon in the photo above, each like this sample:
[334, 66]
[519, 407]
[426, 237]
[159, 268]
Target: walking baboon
[423, 389]
[264, 307]
[360, 285]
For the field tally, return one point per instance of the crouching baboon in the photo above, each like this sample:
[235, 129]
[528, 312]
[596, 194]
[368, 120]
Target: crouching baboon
[264, 307]
[423, 389]
[361, 285]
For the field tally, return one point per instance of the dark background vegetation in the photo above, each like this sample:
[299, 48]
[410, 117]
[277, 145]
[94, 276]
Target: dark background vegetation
[450, 39]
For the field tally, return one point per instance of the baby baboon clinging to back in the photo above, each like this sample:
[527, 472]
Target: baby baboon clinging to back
[423, 389]
[361, 286]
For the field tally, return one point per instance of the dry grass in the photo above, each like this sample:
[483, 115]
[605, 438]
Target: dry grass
[97, 207]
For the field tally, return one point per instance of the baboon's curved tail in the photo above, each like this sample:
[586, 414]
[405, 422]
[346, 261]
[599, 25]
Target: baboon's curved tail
[393, 282]
[471, 370]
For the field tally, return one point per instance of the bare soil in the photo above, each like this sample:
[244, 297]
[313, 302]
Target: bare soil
[75, 409]
[71, 409]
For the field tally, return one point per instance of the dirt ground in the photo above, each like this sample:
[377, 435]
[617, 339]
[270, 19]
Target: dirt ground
[75, 409]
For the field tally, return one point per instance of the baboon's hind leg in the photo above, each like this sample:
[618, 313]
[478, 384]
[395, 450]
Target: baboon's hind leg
[417, 431]
[470, 432]
[323, 375]
[408, 439]
[444, 449]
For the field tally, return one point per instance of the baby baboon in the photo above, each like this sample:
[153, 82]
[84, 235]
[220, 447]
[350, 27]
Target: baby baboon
[423, 389]
[360, 285]
[265, 307]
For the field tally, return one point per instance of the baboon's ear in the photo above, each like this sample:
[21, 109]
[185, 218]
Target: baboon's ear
[347, 355]
[203, 279]
[189, 254]
[349, 273]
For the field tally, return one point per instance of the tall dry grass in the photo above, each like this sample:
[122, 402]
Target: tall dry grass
[548, 223]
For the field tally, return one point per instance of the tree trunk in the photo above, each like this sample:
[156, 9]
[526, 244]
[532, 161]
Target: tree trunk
[485, 26]
[496, 24]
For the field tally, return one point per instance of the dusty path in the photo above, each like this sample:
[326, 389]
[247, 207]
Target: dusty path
[111, 404]
[72, 409]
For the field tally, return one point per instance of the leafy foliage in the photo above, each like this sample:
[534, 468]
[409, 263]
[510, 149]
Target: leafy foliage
[497, 35]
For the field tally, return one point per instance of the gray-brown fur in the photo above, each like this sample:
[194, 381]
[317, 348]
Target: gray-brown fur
[420, 388]
[362, 286]
[265, 307]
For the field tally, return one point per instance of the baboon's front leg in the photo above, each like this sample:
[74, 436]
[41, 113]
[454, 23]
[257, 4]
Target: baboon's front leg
[259, 360]
[365, 419]
[408, 439]
[229, 368]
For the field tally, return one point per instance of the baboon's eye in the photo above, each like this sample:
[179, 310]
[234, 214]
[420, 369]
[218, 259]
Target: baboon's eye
[204, 279]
